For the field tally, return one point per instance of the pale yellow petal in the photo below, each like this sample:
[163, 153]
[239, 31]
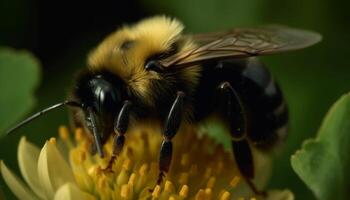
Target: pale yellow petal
[70, 191]
[280, 195]
[17, 186]
[263, 168]
[28, 155]
[53, 170]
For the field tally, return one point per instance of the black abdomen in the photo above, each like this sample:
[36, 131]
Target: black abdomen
[265, 107]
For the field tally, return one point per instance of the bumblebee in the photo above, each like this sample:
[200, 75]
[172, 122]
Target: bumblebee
[152, 71]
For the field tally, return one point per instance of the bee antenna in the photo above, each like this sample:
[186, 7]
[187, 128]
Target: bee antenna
[44, 111]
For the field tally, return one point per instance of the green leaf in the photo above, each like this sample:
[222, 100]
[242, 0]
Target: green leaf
[19, 76]
[323, 163]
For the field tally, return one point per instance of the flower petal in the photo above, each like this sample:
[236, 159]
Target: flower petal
[53, 170]
[70, 191]
[28, 155]
[280, 195]
[17, 186]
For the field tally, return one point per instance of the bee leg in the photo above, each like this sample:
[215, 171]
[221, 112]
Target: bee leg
[120, 128]
[235, 114]
[171, 127]
[244, 160]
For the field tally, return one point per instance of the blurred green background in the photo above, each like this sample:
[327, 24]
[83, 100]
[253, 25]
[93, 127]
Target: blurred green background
[61, 33]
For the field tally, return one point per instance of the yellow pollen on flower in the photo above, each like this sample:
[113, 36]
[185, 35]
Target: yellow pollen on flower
[211, 182]
[52, 140]
[132, 179]
[156, 191]
[200, 194]
[63, 132]
[168, 187]
[79, 135]
[208, 193]
[234, 182]
[126, 191]
[184, 191]
[225, 196]
[196, 171]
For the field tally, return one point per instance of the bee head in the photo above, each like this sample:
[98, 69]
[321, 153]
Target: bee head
[101, 95]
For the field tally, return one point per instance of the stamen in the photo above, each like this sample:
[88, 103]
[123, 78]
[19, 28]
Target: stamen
[208, 193]
[211, 182]
[143, 169]
[234, 182]
[123, 176]
[52, 141]
[63, 132]
[207, 173]
[79, 134]
[225, 196]
[64, 135]
[142, 178]
[156, 192]
[126, 191]
[168, 187]
[184, 191]
[171, 198]
[132, 179]
[127, 164]
[200, 195]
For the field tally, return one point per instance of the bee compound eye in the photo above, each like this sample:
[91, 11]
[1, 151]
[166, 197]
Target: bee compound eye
[153, 65]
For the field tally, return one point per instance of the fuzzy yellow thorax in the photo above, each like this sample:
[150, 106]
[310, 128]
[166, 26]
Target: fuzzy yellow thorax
[126, 51]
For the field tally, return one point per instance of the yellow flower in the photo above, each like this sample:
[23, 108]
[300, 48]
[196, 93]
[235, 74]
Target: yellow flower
[64, 169]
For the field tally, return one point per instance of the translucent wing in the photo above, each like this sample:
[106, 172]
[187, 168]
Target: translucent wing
[243, 42]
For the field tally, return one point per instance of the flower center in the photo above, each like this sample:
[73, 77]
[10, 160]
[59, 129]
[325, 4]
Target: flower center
[200, 168]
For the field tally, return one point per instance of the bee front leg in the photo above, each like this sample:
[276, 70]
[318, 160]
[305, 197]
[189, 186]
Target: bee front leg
[120, 127]
[235, 115]
[171, 127]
